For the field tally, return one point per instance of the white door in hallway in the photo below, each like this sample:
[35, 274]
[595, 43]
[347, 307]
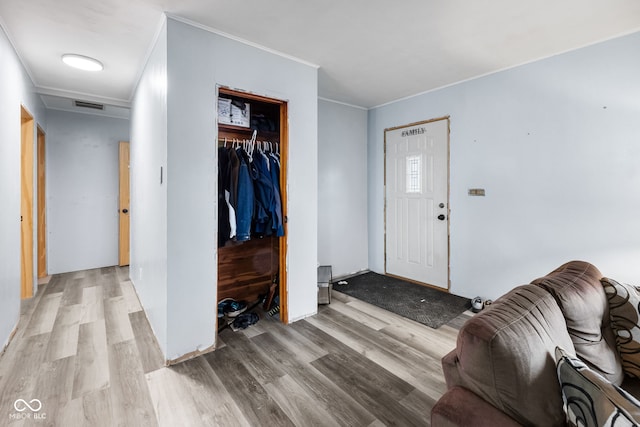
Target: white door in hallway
[416, 202]
[124, 221]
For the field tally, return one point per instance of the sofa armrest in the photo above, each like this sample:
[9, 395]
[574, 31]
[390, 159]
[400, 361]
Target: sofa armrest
[461, 407]
[450, 369]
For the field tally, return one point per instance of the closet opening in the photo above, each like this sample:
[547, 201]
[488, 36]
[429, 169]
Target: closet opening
[252, 202]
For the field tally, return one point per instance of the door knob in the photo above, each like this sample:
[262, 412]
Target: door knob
[441, 217]
[125, 210]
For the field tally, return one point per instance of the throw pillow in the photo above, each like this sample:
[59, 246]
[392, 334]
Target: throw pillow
[591, 400]
[624, 304]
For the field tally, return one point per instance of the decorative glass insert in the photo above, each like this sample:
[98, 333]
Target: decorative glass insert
[414, 174]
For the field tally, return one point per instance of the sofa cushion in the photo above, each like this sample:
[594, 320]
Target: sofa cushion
[589, 399]
[624, 302]
[459, 407]
[506, 355]
[577, 289]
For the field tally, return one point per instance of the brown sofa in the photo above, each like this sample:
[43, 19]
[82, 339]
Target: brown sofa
[503, 371]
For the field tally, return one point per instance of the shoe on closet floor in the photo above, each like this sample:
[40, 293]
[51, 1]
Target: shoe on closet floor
[230, 307]
[275, 310]
[244, 320]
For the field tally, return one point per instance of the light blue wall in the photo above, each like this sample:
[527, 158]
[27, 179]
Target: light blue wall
[198, 60]
[174, 224]
[82, 188]
[342, 178]
[16, 89]
[555, 144]
[148, 213]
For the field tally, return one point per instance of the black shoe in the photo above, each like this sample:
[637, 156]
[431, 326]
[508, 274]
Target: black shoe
[230, 307]
[244, 320]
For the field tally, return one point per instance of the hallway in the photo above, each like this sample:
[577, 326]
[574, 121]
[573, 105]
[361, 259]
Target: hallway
[83, 345]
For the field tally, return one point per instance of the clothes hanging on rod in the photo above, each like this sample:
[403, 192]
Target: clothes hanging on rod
[224, 226]
[249, 201]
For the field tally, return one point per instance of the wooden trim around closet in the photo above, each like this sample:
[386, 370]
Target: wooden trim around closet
[281, 242]
[284, 161]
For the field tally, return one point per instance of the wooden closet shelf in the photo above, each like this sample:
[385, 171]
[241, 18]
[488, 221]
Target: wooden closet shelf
[239, 132]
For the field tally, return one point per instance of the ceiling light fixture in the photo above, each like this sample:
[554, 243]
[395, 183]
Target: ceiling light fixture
[82, 62]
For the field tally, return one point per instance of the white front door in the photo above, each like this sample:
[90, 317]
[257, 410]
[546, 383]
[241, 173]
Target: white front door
[416, 208]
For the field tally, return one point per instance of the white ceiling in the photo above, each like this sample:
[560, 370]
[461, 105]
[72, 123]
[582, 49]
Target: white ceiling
[370, 52]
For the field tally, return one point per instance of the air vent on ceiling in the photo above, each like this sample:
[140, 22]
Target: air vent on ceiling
[85, 104]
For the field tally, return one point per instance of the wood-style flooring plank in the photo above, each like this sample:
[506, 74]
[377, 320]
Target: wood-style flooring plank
[19, 383]
[117, 320]
[361, 316]
[418, 402]
[171, 403]
[254, 359]
[298, 344]
[44, 315]
[341, 366]
[122, 273]
[460, 320]
[394, 355]
[387, 316]
[203, 398]
[93, 409]
[108, 279]
[130, 297]
[128, 387]
[72, 294]
[57, 283]
[372, 386]
[325, 394]
[92, 304]
[97, 408]
[214, 403]
[54, 386]
[82, 274]
[71, 413]
[64, 335]
[150, 354]
[254, 401]
[436, 342]
[299, 406]
[92, 362]
[435, 347]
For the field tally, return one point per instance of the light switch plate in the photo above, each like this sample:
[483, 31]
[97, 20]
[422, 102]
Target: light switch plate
[476, 191]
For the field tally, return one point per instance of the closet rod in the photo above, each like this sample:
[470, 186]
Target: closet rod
[229, 141]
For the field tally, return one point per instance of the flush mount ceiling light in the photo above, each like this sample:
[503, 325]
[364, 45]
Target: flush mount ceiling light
[82, 62]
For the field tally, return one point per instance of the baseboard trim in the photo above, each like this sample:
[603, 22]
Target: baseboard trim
[11, 335]
[190, 355]
[335, 279]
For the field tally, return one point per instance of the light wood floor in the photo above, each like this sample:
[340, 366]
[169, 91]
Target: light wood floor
[85, 350]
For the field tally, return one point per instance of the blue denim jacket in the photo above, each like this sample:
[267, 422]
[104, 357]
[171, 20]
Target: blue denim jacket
[245, 198]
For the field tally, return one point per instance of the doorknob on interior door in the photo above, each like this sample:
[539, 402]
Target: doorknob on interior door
[125, 210]
[441, 217]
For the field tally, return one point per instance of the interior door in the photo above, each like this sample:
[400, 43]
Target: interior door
[26, 207]
[123, 258]
[416, 206]
[42, 218]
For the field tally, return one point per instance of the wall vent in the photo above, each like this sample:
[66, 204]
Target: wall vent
[85, 104]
